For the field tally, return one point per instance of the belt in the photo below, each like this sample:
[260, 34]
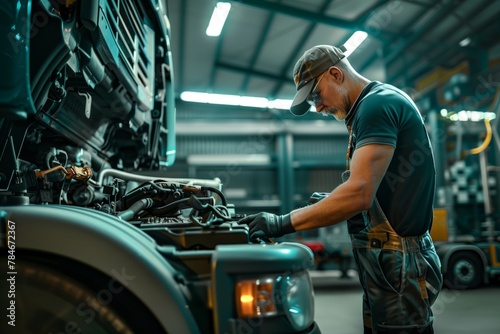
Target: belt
[388, 240]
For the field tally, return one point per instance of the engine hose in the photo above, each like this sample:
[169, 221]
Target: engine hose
[215, 183]
[218, 192]
[168, 208]
[143, 191]
[135, 208]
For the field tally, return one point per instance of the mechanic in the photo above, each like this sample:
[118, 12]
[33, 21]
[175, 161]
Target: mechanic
[386, 196]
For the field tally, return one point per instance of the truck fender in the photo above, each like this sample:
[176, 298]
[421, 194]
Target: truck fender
[446, 250]
[108, 245]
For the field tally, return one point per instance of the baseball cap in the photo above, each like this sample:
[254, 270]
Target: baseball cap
[313, 62]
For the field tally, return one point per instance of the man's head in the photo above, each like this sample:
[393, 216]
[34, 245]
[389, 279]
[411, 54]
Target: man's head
[308, 69]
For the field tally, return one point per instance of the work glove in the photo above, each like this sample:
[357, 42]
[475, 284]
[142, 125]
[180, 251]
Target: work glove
[266, 224]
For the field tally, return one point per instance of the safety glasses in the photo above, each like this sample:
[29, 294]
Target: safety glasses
[314, 98]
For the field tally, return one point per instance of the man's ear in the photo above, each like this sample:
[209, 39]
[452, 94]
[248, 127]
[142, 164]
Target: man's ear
[336, 73]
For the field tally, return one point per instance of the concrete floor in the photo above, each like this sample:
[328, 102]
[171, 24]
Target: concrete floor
[338, 307]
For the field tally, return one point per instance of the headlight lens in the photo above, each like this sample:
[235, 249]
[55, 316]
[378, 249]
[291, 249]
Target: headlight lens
[298, 302]
[255, 297]
[291, 295]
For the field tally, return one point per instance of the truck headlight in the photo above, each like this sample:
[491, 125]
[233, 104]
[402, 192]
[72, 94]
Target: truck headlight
[298, 302]
[255, 297]
[290, 295]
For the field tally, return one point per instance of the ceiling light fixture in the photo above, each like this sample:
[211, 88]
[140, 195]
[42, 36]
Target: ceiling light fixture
[354, 41]
[467, 115]
[218, 18]
[235, 100]
[465, 42]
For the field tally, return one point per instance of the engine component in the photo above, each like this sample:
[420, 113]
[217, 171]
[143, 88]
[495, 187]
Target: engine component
[72, 172]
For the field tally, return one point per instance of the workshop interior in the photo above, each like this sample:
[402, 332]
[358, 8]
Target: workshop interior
[135, 134]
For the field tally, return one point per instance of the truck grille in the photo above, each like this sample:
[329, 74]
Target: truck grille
[130, 41]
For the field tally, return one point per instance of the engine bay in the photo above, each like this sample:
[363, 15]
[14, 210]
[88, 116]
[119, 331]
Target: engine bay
[191, 214]
[101, 115]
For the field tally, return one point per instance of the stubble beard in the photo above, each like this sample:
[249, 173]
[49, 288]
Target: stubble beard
[339, 111]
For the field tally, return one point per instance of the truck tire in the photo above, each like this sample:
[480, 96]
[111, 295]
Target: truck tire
[465, 271]
[50, 298]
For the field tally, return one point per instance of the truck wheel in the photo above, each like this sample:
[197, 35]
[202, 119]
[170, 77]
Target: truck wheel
[465, 271]
[50, 298]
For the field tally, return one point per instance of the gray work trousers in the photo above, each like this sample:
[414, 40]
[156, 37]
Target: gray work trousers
[401, 276]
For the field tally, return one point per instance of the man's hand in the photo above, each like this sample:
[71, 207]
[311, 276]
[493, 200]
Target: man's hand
[266, 224]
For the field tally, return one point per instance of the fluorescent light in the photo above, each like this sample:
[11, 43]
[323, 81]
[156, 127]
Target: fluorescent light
[354, 41]
[280, 104]
[471, 115]
[235, 100]
[464, 42]
[218, 18]
[249, 101]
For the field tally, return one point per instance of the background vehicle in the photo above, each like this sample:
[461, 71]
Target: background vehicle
[470, 257]
[97, 239]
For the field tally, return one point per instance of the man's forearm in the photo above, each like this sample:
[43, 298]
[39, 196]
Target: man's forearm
[343, 203]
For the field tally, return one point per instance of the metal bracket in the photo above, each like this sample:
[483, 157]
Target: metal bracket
[88, 103]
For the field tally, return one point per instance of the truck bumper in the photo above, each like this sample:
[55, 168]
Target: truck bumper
[245, 328]
[314, 329]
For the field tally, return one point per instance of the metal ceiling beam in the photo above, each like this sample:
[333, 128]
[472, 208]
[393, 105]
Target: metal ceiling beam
[315, 17]
[258, 49]
[250, 71]
[218, 51]
[390, 52]
[408, 41]
[291, 59]
[300, 46]
[362, 19]
[302, 14]
[445, 52]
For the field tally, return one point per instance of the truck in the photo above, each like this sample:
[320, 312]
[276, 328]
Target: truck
[470, 260]
[95, 237]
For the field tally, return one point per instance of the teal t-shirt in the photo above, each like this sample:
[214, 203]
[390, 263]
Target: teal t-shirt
[383, 114]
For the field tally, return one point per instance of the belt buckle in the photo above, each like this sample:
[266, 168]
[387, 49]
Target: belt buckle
[377, 239]
[375, 243]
